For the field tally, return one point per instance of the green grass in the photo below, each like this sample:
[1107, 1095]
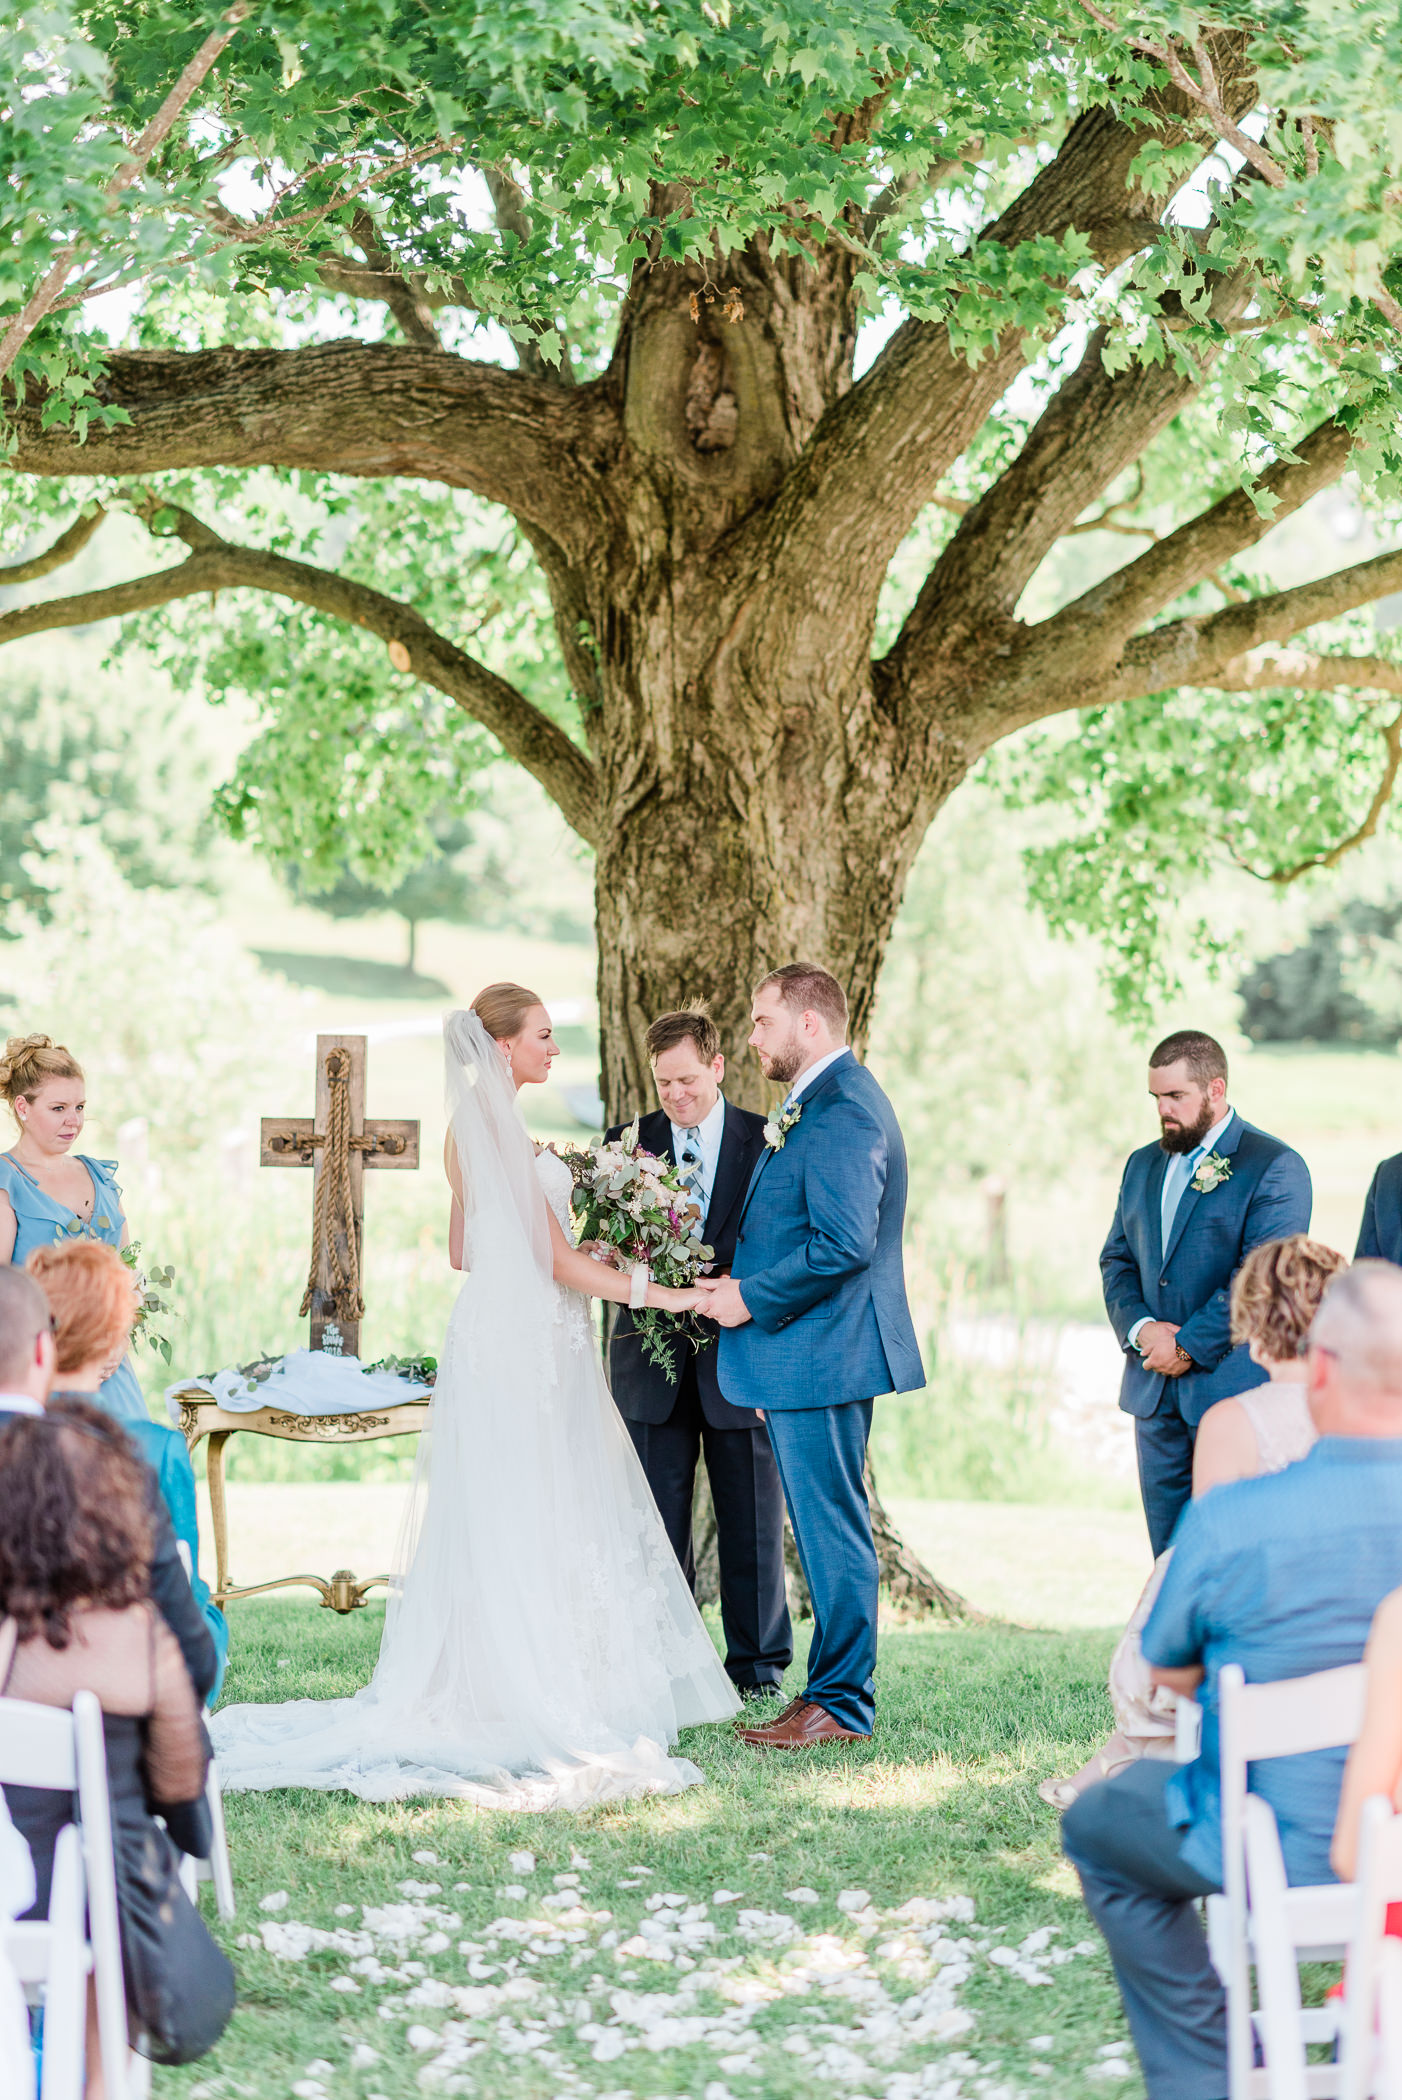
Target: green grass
[941, 1804]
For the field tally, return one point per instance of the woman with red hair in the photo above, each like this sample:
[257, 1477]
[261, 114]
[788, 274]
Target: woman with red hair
[94, 1301]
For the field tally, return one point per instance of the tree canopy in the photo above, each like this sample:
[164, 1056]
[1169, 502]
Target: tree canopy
[516, 345]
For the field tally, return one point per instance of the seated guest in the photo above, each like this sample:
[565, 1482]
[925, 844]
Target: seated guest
[1275, 1295]
[1282, 1575]
[1375, 1761]
[75, 1560]
[26, 1374]
[94, 1301]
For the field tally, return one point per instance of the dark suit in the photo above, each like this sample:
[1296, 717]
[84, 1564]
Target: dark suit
[1380, 1235]
[1267, 1197]
[672, 1424]
[170, 1585]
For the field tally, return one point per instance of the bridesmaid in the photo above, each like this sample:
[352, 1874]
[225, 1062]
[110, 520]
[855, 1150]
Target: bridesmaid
[47, 1193]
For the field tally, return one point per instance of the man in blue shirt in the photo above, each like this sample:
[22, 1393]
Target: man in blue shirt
[1281, 1574]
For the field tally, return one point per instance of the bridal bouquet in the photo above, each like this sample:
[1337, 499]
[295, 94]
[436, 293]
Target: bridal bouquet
[637, 1208]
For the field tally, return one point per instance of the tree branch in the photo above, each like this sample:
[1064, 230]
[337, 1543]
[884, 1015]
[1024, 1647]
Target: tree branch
[1114, 608]
[894, 435]
[371, 409]
[154, 136]
[399, 293]
[1268, 668]
[525, 733]
[61, 550]
[1095, 425]
[1205, 93]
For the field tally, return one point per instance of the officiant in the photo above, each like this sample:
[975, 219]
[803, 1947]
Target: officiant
[715, 1145]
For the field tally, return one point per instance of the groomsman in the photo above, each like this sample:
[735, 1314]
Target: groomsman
[1380, 1235]
[1191, 1208]
[716, 1146]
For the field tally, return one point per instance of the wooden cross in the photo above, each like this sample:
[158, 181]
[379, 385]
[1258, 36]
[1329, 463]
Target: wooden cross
[338, 1143]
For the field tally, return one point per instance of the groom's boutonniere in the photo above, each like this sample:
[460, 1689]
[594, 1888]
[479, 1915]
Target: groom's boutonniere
[778, 1127]
[1211, 1173]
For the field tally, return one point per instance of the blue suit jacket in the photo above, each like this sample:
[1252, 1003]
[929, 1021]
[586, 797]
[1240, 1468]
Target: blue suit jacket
[818, 1257]
[1267, 1197]
[1380, 1235]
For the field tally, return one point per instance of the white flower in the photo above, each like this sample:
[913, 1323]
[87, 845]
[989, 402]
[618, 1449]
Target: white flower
[1211, 1173]
[778, 1126]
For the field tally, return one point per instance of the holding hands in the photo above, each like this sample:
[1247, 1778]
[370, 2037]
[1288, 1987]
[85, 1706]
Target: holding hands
[721, 1301]
[1158, 1345]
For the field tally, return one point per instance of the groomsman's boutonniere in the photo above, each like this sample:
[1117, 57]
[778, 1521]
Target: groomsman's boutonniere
[778, 1127]
[1211, 1173]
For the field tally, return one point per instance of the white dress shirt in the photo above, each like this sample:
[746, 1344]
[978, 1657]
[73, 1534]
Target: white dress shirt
[20, 1404]
[820, 1065]
[1179, 1172]
[707, 1143]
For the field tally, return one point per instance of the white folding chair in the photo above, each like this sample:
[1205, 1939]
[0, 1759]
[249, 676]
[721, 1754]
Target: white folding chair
[1187, 1729]
[217, 1867]
[1295, 1715]
[43, 1746]
[1372, 2017]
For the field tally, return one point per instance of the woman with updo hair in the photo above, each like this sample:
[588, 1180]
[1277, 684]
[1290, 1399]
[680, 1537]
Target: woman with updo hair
[1276, 1293]
[50, 1195]
[94, 1302]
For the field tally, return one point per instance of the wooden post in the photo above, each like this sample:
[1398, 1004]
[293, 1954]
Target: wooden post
[301, 1141]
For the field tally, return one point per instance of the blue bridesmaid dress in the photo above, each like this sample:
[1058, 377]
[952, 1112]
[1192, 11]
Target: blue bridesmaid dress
[40, 1221]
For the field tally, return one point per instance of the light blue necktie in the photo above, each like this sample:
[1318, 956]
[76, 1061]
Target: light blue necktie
[1181, 1168]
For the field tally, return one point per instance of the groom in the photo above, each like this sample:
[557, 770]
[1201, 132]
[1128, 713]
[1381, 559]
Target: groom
[815, 1323]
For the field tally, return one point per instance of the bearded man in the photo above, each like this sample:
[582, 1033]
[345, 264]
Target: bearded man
[815, 1324]
[1190, 1210]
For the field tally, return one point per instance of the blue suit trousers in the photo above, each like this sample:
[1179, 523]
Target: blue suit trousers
[821, 1456]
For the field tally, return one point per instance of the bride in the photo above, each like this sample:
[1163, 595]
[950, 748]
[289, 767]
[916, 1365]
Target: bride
[541, 1646]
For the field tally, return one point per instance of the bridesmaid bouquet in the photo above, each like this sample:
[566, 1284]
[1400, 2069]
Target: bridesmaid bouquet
[638, 1213]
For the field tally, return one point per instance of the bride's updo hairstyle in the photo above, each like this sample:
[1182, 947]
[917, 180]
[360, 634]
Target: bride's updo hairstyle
[29, 1063]
[502, 1009]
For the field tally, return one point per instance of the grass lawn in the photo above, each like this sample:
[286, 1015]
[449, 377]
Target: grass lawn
[471, 1971]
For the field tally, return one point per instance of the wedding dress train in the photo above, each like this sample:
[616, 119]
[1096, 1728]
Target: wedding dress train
[541, 1647]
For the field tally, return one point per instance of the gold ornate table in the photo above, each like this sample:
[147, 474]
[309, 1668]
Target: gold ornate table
[202, 1417]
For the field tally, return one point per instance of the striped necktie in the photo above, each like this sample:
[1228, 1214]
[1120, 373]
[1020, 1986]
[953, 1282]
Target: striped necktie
[690, 1166]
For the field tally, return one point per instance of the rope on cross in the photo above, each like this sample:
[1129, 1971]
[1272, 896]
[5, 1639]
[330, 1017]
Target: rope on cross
[338, 1143]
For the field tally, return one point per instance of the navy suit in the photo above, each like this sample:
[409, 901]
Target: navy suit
[671, 1425]
[819, 1264]
[1380, 1235]
[1267, 1197]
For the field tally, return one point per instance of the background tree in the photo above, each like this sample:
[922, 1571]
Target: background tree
[435, 887]
[1138, 265]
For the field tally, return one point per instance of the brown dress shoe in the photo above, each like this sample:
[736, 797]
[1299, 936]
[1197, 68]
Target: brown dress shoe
[797, 1727]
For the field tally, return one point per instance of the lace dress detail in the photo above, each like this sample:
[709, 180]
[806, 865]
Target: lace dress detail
[1280, 1415]
[572, 1309]
[541, 1646]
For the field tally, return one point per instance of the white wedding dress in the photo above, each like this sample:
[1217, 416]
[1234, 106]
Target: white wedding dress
[541, 1647]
